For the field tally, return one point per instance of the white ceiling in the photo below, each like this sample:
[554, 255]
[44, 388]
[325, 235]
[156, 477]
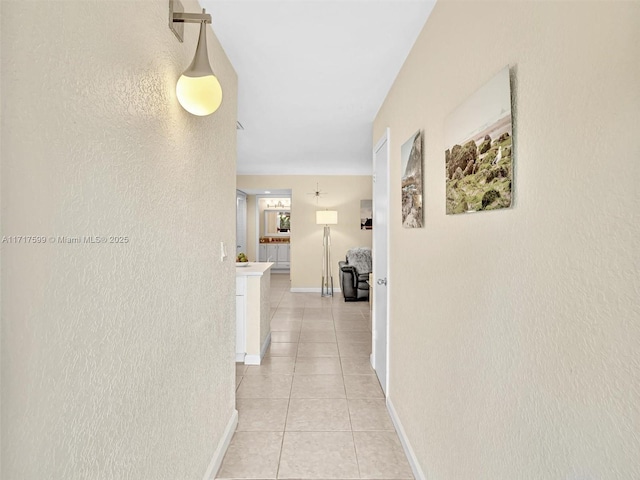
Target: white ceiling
[312, 75]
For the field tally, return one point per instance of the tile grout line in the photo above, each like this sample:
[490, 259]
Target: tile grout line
[284, 431]
[286, 418]
[353, 438]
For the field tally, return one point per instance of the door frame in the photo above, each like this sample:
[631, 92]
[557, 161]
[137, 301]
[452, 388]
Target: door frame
[240, 194]
[379, 145]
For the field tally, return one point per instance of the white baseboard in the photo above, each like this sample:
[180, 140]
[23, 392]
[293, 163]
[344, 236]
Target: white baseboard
[252, 359]
[257, 359]
[408, 450]
[221, 449]
[313, 290]
[240, 357]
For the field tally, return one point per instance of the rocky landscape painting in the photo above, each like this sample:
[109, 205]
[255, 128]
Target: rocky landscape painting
[479, 154]
[411, 161]
[366, 214]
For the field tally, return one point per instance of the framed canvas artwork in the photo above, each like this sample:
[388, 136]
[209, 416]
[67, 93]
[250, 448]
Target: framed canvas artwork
[479, 150]
[412, 162]
[366, 214]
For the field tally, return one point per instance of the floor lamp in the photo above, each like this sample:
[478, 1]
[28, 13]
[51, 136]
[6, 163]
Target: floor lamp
[326, 218]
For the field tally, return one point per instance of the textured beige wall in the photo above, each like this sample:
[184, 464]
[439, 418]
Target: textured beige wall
[515, 333]
[343, 193]
[117, 360]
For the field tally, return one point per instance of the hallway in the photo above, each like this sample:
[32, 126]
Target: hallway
[314, 409]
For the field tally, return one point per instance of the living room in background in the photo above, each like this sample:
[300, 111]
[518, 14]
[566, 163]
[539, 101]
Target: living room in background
[343, 193]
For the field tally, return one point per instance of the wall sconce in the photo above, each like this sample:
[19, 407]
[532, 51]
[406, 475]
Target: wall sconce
[198, 90]
[283, 203]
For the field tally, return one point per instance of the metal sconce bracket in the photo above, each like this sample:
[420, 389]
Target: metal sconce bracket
[177, 18]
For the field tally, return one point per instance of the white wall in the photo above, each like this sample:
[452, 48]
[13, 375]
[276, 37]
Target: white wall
[515, 334]
[117, 359]
[343, 193]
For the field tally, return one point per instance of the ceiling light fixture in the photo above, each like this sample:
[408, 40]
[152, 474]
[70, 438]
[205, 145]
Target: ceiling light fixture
[317, 193]
[198, 90]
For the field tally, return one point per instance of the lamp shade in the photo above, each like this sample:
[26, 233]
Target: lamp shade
[326, 217]
[198, 90]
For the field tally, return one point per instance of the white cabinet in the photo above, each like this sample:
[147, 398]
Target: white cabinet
[282, 256]
[279, 254]
[272, 253]
[253, 332]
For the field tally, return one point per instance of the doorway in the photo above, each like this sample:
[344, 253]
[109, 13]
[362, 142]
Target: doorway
[274, 228]
[380, 314]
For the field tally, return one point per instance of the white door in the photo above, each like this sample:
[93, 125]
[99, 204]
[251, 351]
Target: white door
[241, 222]
[380, 258]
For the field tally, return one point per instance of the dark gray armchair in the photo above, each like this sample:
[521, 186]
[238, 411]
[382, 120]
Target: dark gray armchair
[354, 274]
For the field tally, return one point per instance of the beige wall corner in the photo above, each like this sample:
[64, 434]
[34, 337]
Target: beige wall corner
[117, 358]
[252, 254]
[514, 333]
[343, 193]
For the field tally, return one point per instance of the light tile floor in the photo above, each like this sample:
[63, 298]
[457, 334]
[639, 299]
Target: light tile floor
[314, 409]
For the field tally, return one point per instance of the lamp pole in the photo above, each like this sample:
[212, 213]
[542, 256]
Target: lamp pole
[327, 277]
[326, 218]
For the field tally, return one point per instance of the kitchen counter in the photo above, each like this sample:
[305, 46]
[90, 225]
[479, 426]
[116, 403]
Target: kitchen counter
[253, 297]
[254, 269]
[275, 240]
